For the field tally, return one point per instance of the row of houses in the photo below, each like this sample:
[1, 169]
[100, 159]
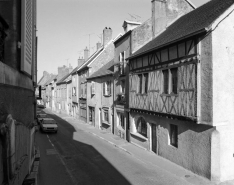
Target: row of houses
[164, 85]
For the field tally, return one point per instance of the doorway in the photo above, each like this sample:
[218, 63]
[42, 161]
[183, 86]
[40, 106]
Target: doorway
[92, 116]
[154, 138]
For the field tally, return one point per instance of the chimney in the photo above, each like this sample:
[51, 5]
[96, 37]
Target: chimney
[107, 35]
[86, 53]
[98, 45]
[159, 17]
[130, 25]
[80, 61]
[164, 12]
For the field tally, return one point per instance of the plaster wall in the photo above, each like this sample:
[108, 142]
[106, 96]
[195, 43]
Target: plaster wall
[141, 35]
[123, 45]
[99, 101]
[194, 142]
[223, 97]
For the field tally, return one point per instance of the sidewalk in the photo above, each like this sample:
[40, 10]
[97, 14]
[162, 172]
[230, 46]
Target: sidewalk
[143, 155]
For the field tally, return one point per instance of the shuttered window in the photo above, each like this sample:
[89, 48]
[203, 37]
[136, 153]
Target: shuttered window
[27, 28]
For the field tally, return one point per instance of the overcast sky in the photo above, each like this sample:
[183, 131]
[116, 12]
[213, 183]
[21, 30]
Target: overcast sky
[64, 27]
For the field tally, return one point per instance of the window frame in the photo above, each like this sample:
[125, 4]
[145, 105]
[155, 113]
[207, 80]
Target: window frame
[141, 130]
[106, 87]
[143, 79]
[170, 88]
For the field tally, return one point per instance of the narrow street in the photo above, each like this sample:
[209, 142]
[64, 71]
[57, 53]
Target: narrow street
[73, 156]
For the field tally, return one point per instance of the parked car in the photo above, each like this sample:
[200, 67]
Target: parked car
[48, 125]
[40, 116]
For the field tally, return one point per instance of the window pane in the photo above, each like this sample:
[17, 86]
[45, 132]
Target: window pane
[146, 82]
[140, 84]
[174, 76]
[165, 81]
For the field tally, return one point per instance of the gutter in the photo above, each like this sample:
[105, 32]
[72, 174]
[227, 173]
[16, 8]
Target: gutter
[203, 30]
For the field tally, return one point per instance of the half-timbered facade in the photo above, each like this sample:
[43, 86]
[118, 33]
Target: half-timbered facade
[164, 81]
[181, 100]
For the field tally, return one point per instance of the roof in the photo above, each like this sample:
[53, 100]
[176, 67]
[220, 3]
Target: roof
[90, 59]
[107, 69]
[63, 79]
[195, 22]
[51, 79]
[123, 36]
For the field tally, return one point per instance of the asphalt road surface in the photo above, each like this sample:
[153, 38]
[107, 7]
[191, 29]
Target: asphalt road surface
[77, 157]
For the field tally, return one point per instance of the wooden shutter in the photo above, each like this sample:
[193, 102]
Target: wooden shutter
[109, 87]
[104, 93]
[27, 36]
[93, 87]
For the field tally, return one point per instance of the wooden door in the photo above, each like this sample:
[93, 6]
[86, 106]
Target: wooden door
[154, 138]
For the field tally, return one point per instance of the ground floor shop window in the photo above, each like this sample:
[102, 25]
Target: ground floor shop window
[121, 120]
[142, 127]
[174, 135]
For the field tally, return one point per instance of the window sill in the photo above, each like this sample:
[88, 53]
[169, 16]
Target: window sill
[139, 135]
[107, 123]
[107, 95]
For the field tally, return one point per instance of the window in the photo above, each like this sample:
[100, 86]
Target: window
[174, 135]
[74, 91]
[105, 115]
[122, 86]
[142, 127]
[143, 83]
[122, 62]
[165, 81]
[92, 88]
[121, 118]
[140, 84]
[174, 80]
[107, 88]
[170, 81]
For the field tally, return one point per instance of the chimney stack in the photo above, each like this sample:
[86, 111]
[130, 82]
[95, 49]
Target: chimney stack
[107, 35]
[98, 45]
[164, 12]
[80, 61]
[86, 54]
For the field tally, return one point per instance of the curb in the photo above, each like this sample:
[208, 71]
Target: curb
[125, 150]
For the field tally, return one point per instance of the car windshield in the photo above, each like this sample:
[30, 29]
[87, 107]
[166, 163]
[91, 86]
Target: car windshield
[49, 122]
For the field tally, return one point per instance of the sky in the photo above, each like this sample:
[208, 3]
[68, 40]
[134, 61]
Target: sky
[67, 27]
